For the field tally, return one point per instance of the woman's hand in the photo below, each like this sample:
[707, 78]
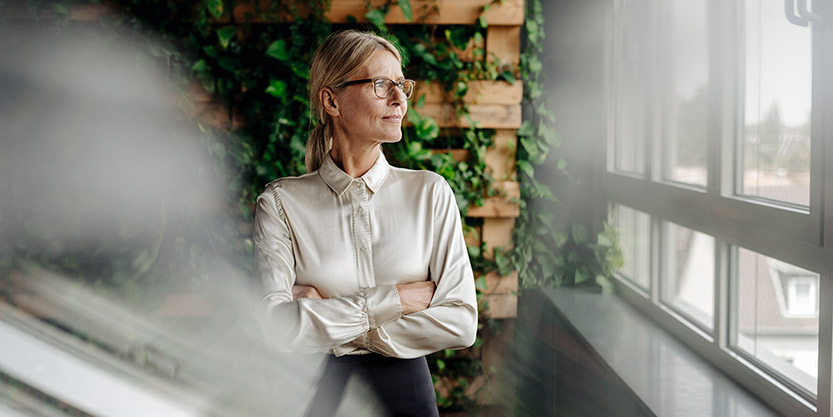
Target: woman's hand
[415, 296]
[305, 291]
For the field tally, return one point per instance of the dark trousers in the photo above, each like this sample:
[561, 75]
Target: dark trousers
[403, 386]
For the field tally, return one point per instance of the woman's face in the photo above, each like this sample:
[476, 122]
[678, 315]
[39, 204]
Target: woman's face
[363, 116]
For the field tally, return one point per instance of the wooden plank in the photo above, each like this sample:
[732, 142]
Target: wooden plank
[497, 232]
[500, 206]
[480, 92]
[213, 113]
[198, 93]
[459, 155]
[499, 306]
[489, 116]
[500, 157]
[438, 12]
[496, 284]
[505, 42]
[91, 12]
[473, 237]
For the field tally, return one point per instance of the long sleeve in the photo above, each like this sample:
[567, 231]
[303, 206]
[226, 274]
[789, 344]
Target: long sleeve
[450, 322]
[307, 324]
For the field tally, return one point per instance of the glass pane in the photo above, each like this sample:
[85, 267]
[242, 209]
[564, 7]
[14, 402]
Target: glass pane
[777, 316]
[687, 279]
[685, 116]
[629, 88]
[776, 131]
[634, 237]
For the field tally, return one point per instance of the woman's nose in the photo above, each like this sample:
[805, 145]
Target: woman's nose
[398, 95]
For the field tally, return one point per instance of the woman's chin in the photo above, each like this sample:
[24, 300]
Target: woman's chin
[392, 138]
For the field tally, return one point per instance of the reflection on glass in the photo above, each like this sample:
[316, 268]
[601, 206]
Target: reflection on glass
[634, 237]
[687, 279]
[776, 308]
[776, 131]
[685, 138]
[628, 89]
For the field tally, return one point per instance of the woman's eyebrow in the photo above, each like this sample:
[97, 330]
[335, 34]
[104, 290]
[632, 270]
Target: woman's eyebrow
[394, 79]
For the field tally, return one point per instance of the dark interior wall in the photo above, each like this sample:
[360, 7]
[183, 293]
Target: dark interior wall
[574, 78]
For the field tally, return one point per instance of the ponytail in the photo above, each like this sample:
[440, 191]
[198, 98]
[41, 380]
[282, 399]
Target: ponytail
[318, 144]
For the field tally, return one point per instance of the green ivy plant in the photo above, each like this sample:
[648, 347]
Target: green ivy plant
[543, 254]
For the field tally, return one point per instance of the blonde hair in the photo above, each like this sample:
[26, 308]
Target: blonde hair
[336, 60]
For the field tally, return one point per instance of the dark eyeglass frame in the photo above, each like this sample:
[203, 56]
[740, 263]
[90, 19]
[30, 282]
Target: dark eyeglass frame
[397, 84]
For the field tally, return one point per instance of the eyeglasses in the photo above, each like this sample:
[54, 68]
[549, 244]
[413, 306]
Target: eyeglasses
[383, 87]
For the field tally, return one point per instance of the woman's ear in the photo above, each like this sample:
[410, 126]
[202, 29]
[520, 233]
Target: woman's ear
[329, 101]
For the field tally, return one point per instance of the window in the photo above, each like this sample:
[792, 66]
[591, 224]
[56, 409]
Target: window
[687, 276]
[684, 139]
[634, 239]
[719, 141]
[774, 307]
[777, 104]
[628, 142]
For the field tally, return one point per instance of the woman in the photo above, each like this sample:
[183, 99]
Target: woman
[358, 258]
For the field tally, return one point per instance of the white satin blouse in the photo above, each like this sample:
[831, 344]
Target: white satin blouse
[354, 240]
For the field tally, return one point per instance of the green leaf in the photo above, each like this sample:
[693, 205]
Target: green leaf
[427, 129]
[573, 258]
[210, 51]
[277, 88]
[225, 35]
[215, 8]
[407, 11]
[580, 276]
[482, 23]
[526, 168]
[580, 234]
[526, 129]
[504, 264]
[421, 102]
[277, 50]
[200, 66]
[376, 17]
[480, 283]
[603, 240]
[227, 63]
[300, 70]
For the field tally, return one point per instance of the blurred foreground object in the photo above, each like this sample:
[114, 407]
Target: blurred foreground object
[118, 294]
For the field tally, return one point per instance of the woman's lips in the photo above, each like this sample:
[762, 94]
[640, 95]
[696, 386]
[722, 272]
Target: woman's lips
[393, 119]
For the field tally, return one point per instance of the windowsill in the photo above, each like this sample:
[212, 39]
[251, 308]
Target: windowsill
[666, 376]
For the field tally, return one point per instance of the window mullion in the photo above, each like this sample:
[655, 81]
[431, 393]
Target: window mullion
[825, 402]
[655, 264]
[721, 294]
[823, 127]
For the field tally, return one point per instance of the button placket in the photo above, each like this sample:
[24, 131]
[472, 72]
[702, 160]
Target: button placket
[361, 235]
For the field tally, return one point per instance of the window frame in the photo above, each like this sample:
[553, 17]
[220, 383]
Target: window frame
[799, 236]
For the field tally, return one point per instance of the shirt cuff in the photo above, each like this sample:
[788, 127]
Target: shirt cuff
[383, 305]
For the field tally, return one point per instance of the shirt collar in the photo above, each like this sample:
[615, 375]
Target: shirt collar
[339, 181]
